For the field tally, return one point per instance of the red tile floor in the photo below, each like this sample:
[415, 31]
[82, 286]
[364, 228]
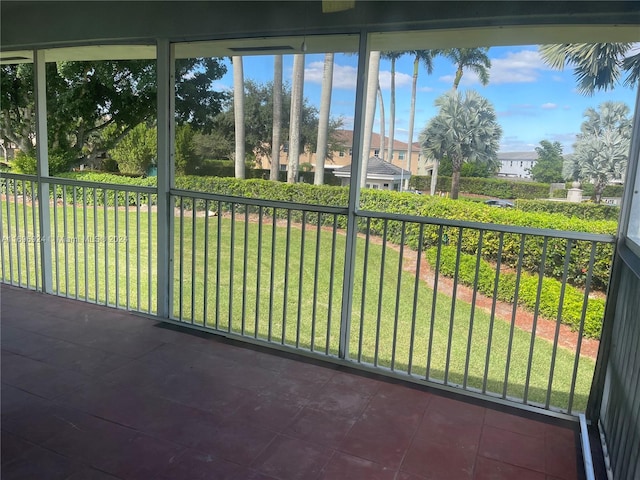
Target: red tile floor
[94, 393]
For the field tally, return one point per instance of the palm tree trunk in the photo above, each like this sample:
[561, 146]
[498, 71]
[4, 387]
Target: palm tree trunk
[277, 118]
[412, 113]
[458, 77]
[238, 109]
[434, 177]
[323, 121]
[392, 110]
[455, 182]
[381, 100]
[370, 111]
[296, 117]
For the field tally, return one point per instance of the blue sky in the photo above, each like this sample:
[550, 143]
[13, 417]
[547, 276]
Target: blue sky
[533, 102]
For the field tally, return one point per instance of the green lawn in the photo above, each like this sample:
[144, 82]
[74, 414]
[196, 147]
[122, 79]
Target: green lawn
[224, 289]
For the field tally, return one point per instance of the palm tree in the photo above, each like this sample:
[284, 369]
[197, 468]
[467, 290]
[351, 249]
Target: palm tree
[238, 109]
[381, 101]
[370, 111]
[475, 59]
[465, 130]
[393, 56]
[295, 119]
[426, 57]
[277, 118]
[323, 121]
[597, 66]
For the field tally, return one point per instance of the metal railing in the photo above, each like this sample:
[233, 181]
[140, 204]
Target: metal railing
[486, 309]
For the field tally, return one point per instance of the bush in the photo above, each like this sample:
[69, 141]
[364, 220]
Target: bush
[490, 187]
[583, 211]
[527, 292]
[59, 162]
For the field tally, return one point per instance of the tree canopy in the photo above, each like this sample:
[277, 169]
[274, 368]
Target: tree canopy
[602, 147]
[87, 99]
[464, 130]
[548, 167]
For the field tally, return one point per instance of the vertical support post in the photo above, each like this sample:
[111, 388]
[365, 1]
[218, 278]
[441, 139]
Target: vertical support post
[166, 105]
[354, 200]
[42, 165]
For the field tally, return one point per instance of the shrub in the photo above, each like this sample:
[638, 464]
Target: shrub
[550, 292]
[583, 211]
[490, 187]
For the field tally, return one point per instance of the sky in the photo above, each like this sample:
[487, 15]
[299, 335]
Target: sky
[533, 101]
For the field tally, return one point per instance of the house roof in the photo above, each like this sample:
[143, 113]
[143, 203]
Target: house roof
[506, 156]
[376, 168]
[346, 137]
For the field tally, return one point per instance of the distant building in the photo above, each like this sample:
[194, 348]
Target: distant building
[380, 175]
[516, 164]
[343, 156]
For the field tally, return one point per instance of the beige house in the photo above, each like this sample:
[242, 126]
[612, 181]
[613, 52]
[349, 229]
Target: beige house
[339, 158]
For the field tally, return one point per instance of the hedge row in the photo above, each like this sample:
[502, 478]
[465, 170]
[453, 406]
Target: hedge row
[583, 211]
[490, 187]
[410, 204]
[573, 301]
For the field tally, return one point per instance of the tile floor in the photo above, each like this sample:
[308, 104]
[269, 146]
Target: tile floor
[90, 393]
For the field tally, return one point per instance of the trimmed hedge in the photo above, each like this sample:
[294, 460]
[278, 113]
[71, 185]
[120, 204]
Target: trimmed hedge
[583, 211]
[490, 187]
[527, 292]
[425, 206]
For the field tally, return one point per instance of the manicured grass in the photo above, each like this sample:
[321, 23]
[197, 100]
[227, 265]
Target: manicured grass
[288, 289]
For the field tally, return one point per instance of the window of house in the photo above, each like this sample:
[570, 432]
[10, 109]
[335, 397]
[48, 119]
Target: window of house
[341, 153]
[376, 152]
[401, 155]
[351, 152]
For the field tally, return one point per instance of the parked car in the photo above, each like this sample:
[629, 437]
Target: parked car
[499, 203]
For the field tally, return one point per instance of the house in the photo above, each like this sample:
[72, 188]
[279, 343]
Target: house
[516, 164]
[381, 175]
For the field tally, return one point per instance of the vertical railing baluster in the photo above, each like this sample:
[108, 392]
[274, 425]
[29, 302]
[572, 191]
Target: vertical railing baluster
[150, 254]
[245, 261]
[286, 278]
[181, 261]
[232, 246]
[218, 259]
[9, 232]
[398, 290]
[35, 204]
[331, 275]
[534, 324]
[65, 233]
[116, 221]
[85, 244]
[376, 354]
[25, 230]
[414, 308]
[194, 219]
[76, 239]
[492, 317]
[434, 301]
[56, 237]
[95, 243]
[473, 309]
[126, 250]
[138, 253]
[301, 276]
[205, 280]
[314, 309]
[18, 239]
[365, 267]
[4, 196]
[256, 324]
[105, 240]
[272, 274]
[583, 316]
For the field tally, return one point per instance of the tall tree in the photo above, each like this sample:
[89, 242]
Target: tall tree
[276, 118]
[393, 56]
[323, 121]
[295, 117]
[370, 112]
[474, 59]
[602, 147]
[548, 166]
[465, 130]
[596, 66]
[382, 136]
[238, 109]
[426, 58]
[85, 100]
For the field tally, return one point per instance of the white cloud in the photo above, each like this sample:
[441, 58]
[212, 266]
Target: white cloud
[517, 67]
[425, 89]
[219, 86]
[344, 76]
[402, 79]
[549, 106]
